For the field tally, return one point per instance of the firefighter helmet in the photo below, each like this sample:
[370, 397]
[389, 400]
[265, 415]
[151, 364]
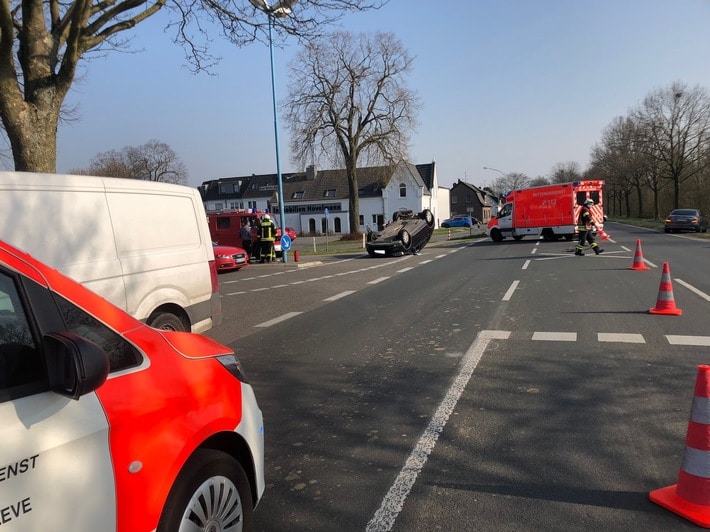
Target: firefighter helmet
[589, 202]
[266, 217]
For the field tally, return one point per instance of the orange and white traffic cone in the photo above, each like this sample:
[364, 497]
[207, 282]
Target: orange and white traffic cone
[690, 497]
[665, 303]
[604, 235]
[638, 264]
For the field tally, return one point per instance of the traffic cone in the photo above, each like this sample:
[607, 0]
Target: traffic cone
[605, 236]
[638, 264]
[665, 303]
[690, 497]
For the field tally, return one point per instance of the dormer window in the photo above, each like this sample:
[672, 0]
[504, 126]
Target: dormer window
[330, 193]
[297, 195]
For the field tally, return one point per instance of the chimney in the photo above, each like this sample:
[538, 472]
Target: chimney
[311, 172]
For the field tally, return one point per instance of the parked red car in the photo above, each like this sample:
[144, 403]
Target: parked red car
[291, 232]
[109, 424]
[229, 257]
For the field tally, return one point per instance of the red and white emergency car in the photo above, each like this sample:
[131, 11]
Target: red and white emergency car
[550, 211]
[110, 425]
[225, 227]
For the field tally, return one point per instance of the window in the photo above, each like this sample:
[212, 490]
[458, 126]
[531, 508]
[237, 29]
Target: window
[454, 201]
[22, 369]
[218, 206]
[336, 225]
[121, 354]
[330, 193]
[468, 198]
[297, 195]
[402, 190]
[223, 222]
[224, 188]
[252, 205]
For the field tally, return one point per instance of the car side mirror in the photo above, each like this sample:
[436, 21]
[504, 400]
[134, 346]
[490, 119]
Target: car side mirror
[76, 365]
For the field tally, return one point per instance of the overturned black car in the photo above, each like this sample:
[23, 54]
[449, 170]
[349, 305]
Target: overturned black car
[406, 233]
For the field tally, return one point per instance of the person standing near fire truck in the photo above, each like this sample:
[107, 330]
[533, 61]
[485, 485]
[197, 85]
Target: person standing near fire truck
[267, 236]
[586, 227]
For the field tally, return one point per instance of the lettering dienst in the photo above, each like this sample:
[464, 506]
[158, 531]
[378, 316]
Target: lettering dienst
[18, 468]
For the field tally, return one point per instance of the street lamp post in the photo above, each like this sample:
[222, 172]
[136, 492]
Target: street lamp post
[282, 8]
[496, 170]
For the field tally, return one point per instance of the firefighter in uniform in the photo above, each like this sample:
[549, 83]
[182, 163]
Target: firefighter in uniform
[267, 236]
[585, 225]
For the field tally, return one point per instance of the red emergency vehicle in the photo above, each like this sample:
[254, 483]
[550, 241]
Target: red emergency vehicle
[550, 211]
[225, 227]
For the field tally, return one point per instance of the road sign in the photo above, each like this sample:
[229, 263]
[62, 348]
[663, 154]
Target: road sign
[285, 242]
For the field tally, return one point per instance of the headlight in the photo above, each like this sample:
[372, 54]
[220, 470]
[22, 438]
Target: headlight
[224, 256]
[233, 366]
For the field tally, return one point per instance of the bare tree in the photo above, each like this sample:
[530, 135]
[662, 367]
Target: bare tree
[565, 172]
[676, 123]
[42, 42]
[152, 161]
[348, 101]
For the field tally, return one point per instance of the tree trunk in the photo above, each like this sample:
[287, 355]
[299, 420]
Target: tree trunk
[34, 145]
[353, 189]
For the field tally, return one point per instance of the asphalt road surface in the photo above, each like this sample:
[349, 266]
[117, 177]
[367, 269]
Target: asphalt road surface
[477, 386]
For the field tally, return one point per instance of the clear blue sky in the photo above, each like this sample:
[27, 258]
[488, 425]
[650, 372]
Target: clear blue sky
[517, 85]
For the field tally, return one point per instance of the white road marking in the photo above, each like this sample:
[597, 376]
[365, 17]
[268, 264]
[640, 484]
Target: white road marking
[405, 269]
[494, 335]
[621, 337]
[235, 293]
[378, 280]
[555, 336]
[284, 317]
[338, 296]
[526, 264]
[392, 504]
[688, 340]
[439, 256]
[510, 291]
[693, 289]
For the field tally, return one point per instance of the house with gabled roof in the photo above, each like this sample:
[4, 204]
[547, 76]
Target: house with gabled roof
[316, 201]
[469, 200]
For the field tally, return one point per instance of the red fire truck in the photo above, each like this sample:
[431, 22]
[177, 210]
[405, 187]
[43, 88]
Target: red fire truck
[225, 227]
[550, 211]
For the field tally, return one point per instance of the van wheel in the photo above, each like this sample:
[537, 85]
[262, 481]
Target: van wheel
[167, 322]
[496, 235]
[211, 493]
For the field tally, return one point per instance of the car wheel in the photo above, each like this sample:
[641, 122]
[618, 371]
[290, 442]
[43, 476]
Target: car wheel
[496, 235]
[395, 216]
[167, 322]
[406, 239]
[667, 230]
[210, 493]
[428, 217]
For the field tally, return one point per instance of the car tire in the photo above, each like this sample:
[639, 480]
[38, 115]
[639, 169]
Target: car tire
[405, 238]
[667, 230]
[167, 322]
[209, 480]
[428, 217]
[496, 235]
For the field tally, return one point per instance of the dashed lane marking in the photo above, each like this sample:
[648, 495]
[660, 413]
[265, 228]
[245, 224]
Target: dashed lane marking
[627, 338]
[555, 336]
[511, 290]
[281, 318]
[338, 296]
[378, 280]
[689, 340]
[621, 337]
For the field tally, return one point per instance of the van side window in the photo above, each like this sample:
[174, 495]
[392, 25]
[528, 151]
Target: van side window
[121, 354]
[22, 369]
[223, 222]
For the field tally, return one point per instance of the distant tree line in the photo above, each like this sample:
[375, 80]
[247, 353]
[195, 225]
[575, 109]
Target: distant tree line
[653, 160]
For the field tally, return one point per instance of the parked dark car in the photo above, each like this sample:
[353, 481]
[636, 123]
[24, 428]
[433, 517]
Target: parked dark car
[406, 233]
[460, 220]
[686, 220]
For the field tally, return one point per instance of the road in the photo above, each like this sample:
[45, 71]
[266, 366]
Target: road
[477, 386]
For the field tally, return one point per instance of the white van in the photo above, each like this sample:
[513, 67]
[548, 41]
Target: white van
[144, 246]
